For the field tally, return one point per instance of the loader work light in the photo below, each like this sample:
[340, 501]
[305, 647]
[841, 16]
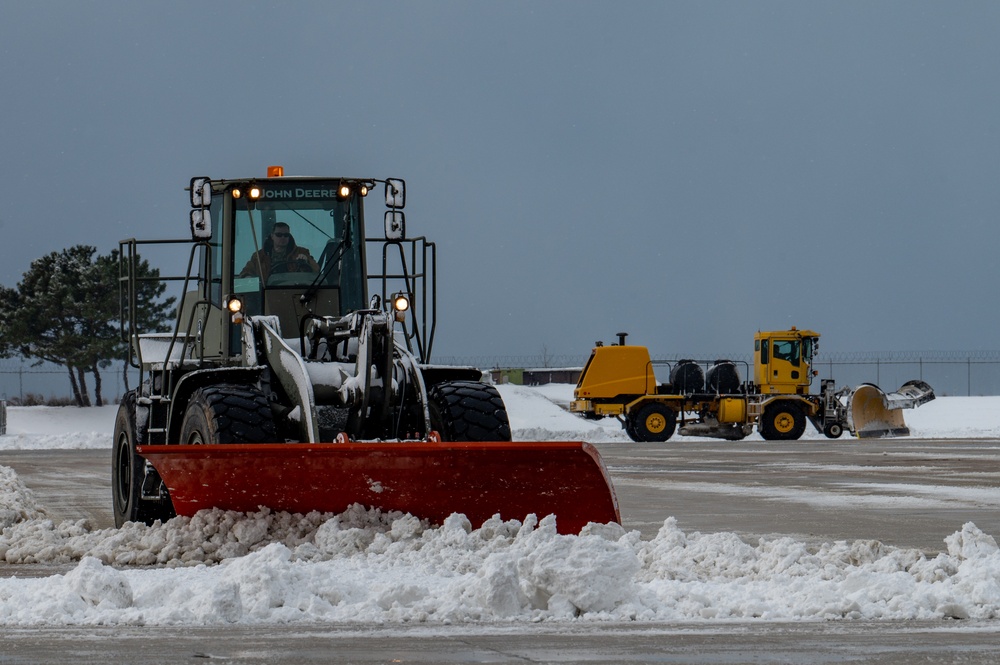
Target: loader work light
[254, 192]
[343, 192]
[400, 305]
[234, 305]
[400, 302]
[237, 193]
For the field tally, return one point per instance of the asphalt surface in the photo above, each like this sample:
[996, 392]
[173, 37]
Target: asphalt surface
[903, 492]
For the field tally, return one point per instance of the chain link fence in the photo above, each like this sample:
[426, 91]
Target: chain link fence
[24, 382]
[948, 372]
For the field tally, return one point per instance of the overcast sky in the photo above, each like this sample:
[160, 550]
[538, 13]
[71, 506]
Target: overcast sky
[689, 172]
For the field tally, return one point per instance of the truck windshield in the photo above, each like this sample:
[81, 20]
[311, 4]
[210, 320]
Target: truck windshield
[298, 242]
[787, 349]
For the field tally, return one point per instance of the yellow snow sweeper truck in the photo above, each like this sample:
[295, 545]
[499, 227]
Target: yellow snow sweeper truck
[710, 398]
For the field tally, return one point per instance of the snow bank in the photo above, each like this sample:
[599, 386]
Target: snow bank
[367, 566]
[58, 427]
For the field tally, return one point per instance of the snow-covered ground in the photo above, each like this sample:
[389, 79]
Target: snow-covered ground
[365, 566]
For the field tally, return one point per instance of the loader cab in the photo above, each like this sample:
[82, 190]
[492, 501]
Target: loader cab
[283, 247]
[783, 361]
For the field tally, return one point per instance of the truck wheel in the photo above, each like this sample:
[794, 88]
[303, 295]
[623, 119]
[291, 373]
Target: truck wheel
[654, 423]
[782, 421]
[833, 430]
[228, 413]
[127, 472]
[468, 411]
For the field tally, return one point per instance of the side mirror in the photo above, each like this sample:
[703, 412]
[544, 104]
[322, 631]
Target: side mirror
[201, 192]
[201, 224]
[395, 225]
[395, 193]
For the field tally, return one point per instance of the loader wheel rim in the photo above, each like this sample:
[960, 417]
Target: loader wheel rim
[784, 422]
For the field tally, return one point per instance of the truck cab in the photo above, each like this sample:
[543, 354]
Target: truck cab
[783, 361]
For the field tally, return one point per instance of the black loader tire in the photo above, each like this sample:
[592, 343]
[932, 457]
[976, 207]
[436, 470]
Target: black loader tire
[782, 421]
[653, 423]
[128, 471]
[228, 413]
[468, 411]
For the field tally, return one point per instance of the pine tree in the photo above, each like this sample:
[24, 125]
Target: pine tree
[65, 311]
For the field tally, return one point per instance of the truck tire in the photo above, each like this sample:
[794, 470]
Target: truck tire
[782, 421]
[833, 430]
[468, 411]
[228, 413]
[127, 472]
[653, 423]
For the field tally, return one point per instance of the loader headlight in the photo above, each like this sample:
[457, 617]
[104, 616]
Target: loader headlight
[234, 306]
[400, 302]
[400, 305]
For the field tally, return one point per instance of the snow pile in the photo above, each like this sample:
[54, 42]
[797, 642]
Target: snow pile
[366, 566]
[17, 503]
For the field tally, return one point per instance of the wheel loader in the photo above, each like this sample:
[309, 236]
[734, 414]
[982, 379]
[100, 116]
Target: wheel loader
[710, 398]
[297, 377]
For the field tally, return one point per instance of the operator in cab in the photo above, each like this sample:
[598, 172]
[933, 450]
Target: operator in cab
[280, 254]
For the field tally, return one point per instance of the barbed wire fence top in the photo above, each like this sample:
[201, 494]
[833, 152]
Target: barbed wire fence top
[948, 372]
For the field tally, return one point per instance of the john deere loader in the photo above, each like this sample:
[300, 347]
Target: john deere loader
[297, 376]
[710, 398]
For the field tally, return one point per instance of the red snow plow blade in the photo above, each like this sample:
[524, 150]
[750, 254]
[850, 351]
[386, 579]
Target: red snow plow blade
[431, 480]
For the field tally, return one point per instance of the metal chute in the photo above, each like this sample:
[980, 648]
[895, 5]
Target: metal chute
[872, 413]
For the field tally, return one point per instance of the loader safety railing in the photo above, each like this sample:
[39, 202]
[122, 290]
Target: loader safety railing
[128, 289]
[410, 266]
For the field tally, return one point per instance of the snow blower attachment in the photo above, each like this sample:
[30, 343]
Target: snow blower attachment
[285, 384]
[619, 381]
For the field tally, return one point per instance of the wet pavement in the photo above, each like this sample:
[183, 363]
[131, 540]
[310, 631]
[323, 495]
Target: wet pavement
[903, 492]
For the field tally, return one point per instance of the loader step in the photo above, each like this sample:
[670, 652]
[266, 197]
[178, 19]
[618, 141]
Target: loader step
[431, 480]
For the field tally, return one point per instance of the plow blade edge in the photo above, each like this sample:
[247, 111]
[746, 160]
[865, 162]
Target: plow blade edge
[430, 480]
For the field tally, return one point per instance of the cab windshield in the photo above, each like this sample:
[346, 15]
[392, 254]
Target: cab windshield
[295, 237]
